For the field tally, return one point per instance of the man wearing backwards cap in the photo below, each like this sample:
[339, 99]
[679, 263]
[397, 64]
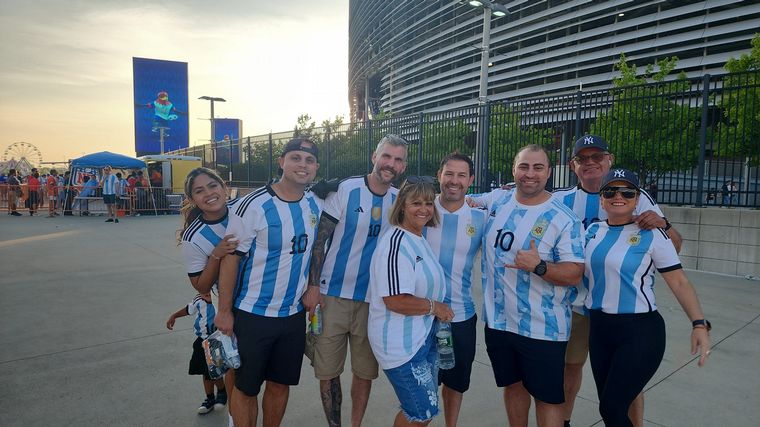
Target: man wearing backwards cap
[275, 227]
[591, 161]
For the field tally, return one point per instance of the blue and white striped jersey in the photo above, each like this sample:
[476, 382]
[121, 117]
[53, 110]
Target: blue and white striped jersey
[456, 242]
[620, 263]
[199, 239]
[275, 241]
[204, 319]
[586, 205]
[519, 301]
[403, 263]
[361, 218]
[110, 184]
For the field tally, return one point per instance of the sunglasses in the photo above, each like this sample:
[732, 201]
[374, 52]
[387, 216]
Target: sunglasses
[626, 192]
[596, 157]
[419, 179]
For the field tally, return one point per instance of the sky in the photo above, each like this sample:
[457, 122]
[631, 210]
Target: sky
[66, 66]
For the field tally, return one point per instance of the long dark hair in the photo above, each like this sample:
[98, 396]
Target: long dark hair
[189, 211]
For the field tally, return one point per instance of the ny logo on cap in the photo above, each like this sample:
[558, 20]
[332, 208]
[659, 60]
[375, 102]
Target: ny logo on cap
[619, 173]
[588, 140]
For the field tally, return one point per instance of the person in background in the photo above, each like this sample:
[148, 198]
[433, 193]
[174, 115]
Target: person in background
[110, 184]
[14, 192]
[33, 191]
[52, 192]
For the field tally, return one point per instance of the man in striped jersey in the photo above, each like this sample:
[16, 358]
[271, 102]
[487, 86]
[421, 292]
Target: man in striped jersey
[110, 184]
[456, 242]
[532, 254]
[353, 219]
[590, 162]
[275, 226]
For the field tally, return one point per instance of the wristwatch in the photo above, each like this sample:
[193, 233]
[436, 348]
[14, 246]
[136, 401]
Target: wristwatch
[701, 322]
[540, 269]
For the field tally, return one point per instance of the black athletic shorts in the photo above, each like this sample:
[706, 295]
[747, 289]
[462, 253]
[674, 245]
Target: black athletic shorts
[198, 364]
[271, 349]
[539, 364]
[463, 334]
[109, 199]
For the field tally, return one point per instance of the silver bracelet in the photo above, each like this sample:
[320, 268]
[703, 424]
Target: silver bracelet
[431, 307]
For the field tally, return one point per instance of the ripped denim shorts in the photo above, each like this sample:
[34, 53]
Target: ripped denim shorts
[416, 382]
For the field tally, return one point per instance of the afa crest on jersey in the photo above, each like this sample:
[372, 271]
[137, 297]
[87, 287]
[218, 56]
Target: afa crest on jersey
[470, 230]
[539, 228]
[377, 212]
[313, 220]
[634, 239]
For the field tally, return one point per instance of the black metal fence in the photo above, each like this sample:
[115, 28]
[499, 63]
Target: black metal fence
[692, 141]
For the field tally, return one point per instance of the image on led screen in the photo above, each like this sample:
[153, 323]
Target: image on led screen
[227, 134]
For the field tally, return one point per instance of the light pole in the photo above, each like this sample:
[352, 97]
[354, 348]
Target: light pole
[212, 99]
[498, 10]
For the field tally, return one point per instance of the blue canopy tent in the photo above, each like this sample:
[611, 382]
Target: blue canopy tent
[93, 163]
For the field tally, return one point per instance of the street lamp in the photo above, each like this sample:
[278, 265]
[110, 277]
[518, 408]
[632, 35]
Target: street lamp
[498, 10]
[212, 99]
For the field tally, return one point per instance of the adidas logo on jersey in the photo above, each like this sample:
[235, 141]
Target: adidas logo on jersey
[359, 209]
[419, 258]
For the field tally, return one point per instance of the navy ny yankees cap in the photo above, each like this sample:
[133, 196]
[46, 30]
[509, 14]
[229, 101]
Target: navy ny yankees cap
[590, 141]
[620, 174]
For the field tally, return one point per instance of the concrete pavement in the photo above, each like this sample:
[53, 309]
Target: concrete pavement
[85, 302]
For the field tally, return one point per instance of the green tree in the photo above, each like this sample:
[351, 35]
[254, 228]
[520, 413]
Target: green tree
[304, 126]
[740, 103]
[649, 128]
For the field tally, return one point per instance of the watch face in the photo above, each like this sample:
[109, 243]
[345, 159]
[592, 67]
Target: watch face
[540, 269]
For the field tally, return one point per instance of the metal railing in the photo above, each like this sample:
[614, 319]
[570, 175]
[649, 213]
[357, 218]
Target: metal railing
[687, 139]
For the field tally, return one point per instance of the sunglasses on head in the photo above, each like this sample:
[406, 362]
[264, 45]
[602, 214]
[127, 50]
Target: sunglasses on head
[420, 179]
[626, 192]
[597, 157]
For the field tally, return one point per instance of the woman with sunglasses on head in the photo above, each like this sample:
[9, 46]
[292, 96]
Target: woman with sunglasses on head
[204, 244]
[407, 288]
[627, 334]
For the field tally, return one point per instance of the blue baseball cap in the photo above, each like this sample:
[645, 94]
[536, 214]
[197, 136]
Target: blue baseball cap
[590, 141]
[620, 174]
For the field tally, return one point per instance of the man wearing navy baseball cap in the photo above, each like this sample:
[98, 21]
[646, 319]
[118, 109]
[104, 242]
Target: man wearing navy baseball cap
[591, 162]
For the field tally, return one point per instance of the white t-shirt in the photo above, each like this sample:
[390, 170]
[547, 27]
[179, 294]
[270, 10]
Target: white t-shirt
[403, 263]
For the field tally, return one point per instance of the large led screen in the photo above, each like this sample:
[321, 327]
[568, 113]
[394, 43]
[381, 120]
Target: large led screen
[161, 105]
[227, 134]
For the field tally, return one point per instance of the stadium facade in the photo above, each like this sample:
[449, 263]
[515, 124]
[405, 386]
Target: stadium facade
[407, 56]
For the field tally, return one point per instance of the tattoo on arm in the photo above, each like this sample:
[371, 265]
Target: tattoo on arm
[332, 398]
[324, 234]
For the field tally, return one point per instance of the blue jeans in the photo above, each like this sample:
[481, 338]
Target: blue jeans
[416, 382]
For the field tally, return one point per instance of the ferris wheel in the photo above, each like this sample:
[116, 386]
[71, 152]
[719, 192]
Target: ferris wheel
[23, 151]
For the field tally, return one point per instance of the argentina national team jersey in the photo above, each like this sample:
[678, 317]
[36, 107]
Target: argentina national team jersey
[109, 184]
[361, 218]
[586, 205]
[275, 241]
[199, 239]
[620, 263]
[404, 263]
[519, 301]
[456, 242]
[204, 319]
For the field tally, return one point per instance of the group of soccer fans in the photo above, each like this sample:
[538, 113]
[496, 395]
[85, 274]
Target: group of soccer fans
[386, 265]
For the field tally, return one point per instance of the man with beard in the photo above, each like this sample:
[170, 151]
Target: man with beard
[456, 242]
[351, 224]
[532, 259]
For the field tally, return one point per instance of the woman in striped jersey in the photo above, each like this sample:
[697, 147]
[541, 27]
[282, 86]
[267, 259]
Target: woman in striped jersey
[204, 244]
[627, 334]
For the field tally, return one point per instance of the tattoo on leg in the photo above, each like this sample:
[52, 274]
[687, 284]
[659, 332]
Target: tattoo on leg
[332, 398]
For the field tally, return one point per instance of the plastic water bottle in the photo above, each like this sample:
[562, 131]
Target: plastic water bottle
[445, 346]
[316, 320]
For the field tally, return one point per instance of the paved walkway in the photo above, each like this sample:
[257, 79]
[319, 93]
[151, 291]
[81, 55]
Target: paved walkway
[85, 302]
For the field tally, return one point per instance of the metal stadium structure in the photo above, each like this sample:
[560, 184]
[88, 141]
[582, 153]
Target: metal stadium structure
[408, 56]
